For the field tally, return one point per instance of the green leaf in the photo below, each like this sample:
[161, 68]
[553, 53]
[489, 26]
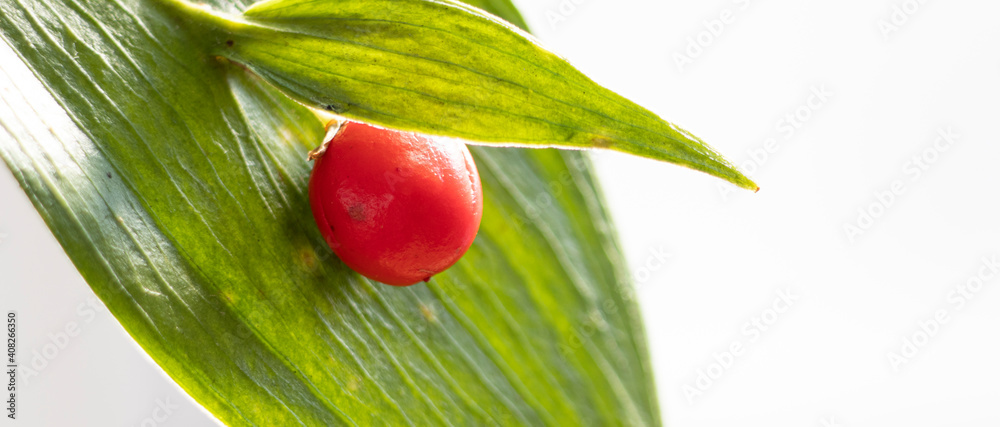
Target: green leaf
[444, 68]
[176, 184]
[501, 8]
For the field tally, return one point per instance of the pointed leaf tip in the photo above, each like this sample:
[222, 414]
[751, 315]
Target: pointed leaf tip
[444, 68]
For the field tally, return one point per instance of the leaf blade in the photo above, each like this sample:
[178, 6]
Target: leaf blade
[444, 68]
[206, 162]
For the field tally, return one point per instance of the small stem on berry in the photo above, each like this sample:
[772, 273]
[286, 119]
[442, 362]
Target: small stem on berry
[333, 128]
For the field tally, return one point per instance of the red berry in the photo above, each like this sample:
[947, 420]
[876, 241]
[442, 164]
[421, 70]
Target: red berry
[397, 207]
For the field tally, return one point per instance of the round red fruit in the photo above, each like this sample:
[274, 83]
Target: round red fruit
[397, 207]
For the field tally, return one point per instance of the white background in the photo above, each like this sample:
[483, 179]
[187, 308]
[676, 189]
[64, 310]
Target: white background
[856, 299]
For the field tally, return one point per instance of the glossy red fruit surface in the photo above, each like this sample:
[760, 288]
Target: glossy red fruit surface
[397, 207]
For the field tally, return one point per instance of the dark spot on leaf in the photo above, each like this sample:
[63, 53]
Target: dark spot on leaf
[229, 43]
[601, 142]
[109, 175]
